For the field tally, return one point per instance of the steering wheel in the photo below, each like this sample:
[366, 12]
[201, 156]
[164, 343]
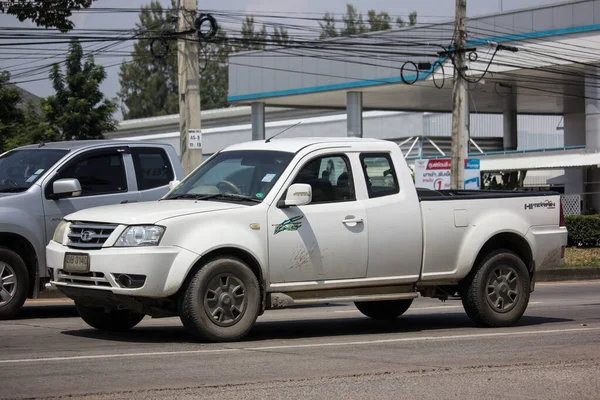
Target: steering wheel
[10, 182]
[230, 185]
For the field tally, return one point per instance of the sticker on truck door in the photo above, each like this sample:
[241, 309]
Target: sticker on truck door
[292, 224]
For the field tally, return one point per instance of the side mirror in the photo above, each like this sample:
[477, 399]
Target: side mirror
[173, 184]
[66, 188]
[298, 194]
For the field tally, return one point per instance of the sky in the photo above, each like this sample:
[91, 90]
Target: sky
[427, 11]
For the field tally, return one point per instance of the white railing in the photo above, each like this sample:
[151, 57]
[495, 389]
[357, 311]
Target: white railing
[571, 204]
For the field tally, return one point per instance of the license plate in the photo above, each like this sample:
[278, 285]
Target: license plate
[77, 263]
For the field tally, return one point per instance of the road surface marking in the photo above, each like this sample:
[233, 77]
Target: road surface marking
[299, 346]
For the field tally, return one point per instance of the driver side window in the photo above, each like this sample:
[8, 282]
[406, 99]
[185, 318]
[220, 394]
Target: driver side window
[330, 178]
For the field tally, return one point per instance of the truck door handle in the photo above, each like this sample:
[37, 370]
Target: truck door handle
[353, 221]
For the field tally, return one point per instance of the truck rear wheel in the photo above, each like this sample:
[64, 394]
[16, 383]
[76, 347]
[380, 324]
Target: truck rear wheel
[112, 320]
[496, 293]
[383, 310]
[221, 301]
[14, 283]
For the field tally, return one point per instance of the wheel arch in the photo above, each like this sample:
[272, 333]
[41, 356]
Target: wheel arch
[23, 247]
[236, 252]
[509, 241]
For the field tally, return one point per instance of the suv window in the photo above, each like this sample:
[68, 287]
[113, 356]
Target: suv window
[100, 173]
[380, 175]
[152, 167]
[330, 178]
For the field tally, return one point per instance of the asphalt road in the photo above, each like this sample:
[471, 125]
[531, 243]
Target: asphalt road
[432, 352]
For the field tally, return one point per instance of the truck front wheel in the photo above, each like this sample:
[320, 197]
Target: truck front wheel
[108, 320]
[383, 310]
[14, 283]
[221, 301]
[496, 292]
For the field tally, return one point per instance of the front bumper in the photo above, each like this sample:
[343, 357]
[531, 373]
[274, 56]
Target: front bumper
[163, 268]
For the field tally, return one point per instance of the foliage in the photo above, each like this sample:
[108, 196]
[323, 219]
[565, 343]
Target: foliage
[584, 230]
[149, 84]
[354, 24]
[78, 109]
[328, 29]
[253, 39]
[49, 14]
[19, 123]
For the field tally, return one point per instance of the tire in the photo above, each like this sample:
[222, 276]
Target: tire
[496, 293]
[113, 320]
[383, 310]
[221, 301]
[14, 283]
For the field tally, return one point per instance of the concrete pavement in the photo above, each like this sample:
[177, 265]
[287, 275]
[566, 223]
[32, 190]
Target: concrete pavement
[432, 351]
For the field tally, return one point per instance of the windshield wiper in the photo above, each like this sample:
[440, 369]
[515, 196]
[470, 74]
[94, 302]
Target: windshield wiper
[13, 190]
[228, 196]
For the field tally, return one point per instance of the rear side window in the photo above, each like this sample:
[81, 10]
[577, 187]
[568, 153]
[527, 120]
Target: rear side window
[380, 175]
[152, 167]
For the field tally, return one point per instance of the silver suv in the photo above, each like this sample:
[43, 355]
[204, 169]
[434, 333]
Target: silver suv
[40, 184]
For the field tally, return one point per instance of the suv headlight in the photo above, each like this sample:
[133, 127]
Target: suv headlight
[141, 235]
[59, 232]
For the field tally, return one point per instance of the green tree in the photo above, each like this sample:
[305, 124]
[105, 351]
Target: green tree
[253, 39]
[11, 115]
[353, 22]
[149, 83]
[20, 124]
[280, 36]
[328, 29]
[378, 21]
[412, 20]
[49, 14]
[78, 109]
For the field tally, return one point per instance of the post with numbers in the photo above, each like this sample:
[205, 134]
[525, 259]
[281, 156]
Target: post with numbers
[459, 100]
[189, 87]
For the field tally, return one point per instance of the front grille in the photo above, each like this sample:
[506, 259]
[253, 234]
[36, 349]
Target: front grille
[85, 279]
[89, 236]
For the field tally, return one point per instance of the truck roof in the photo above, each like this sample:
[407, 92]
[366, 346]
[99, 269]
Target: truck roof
[293, 145]
[82, 144]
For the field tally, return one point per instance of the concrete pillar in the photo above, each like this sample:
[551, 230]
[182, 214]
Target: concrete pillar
[574, 135]
[354, 111]
[511, 137]
[258, 121]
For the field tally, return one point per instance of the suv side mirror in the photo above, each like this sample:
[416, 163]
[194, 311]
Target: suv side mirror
[298, 194]
[68, 187]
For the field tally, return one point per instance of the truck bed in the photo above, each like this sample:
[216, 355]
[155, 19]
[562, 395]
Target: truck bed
[458, 223]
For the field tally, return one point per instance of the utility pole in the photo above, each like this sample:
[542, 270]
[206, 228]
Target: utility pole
[459, 101]
[189, 87]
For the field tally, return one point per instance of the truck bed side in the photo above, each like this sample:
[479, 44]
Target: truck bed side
[458, 225]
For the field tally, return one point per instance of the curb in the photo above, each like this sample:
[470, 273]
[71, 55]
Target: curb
[568, 274]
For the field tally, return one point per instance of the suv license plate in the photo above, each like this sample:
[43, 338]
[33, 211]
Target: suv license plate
[75, 262]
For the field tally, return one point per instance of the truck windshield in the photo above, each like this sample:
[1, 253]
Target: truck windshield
[19, 169]
[235, 175]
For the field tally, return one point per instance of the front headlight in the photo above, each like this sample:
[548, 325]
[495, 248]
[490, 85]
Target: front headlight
[134, 236]
[59, 232]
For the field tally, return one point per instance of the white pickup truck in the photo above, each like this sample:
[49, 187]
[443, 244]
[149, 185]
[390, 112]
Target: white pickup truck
[270, 224]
